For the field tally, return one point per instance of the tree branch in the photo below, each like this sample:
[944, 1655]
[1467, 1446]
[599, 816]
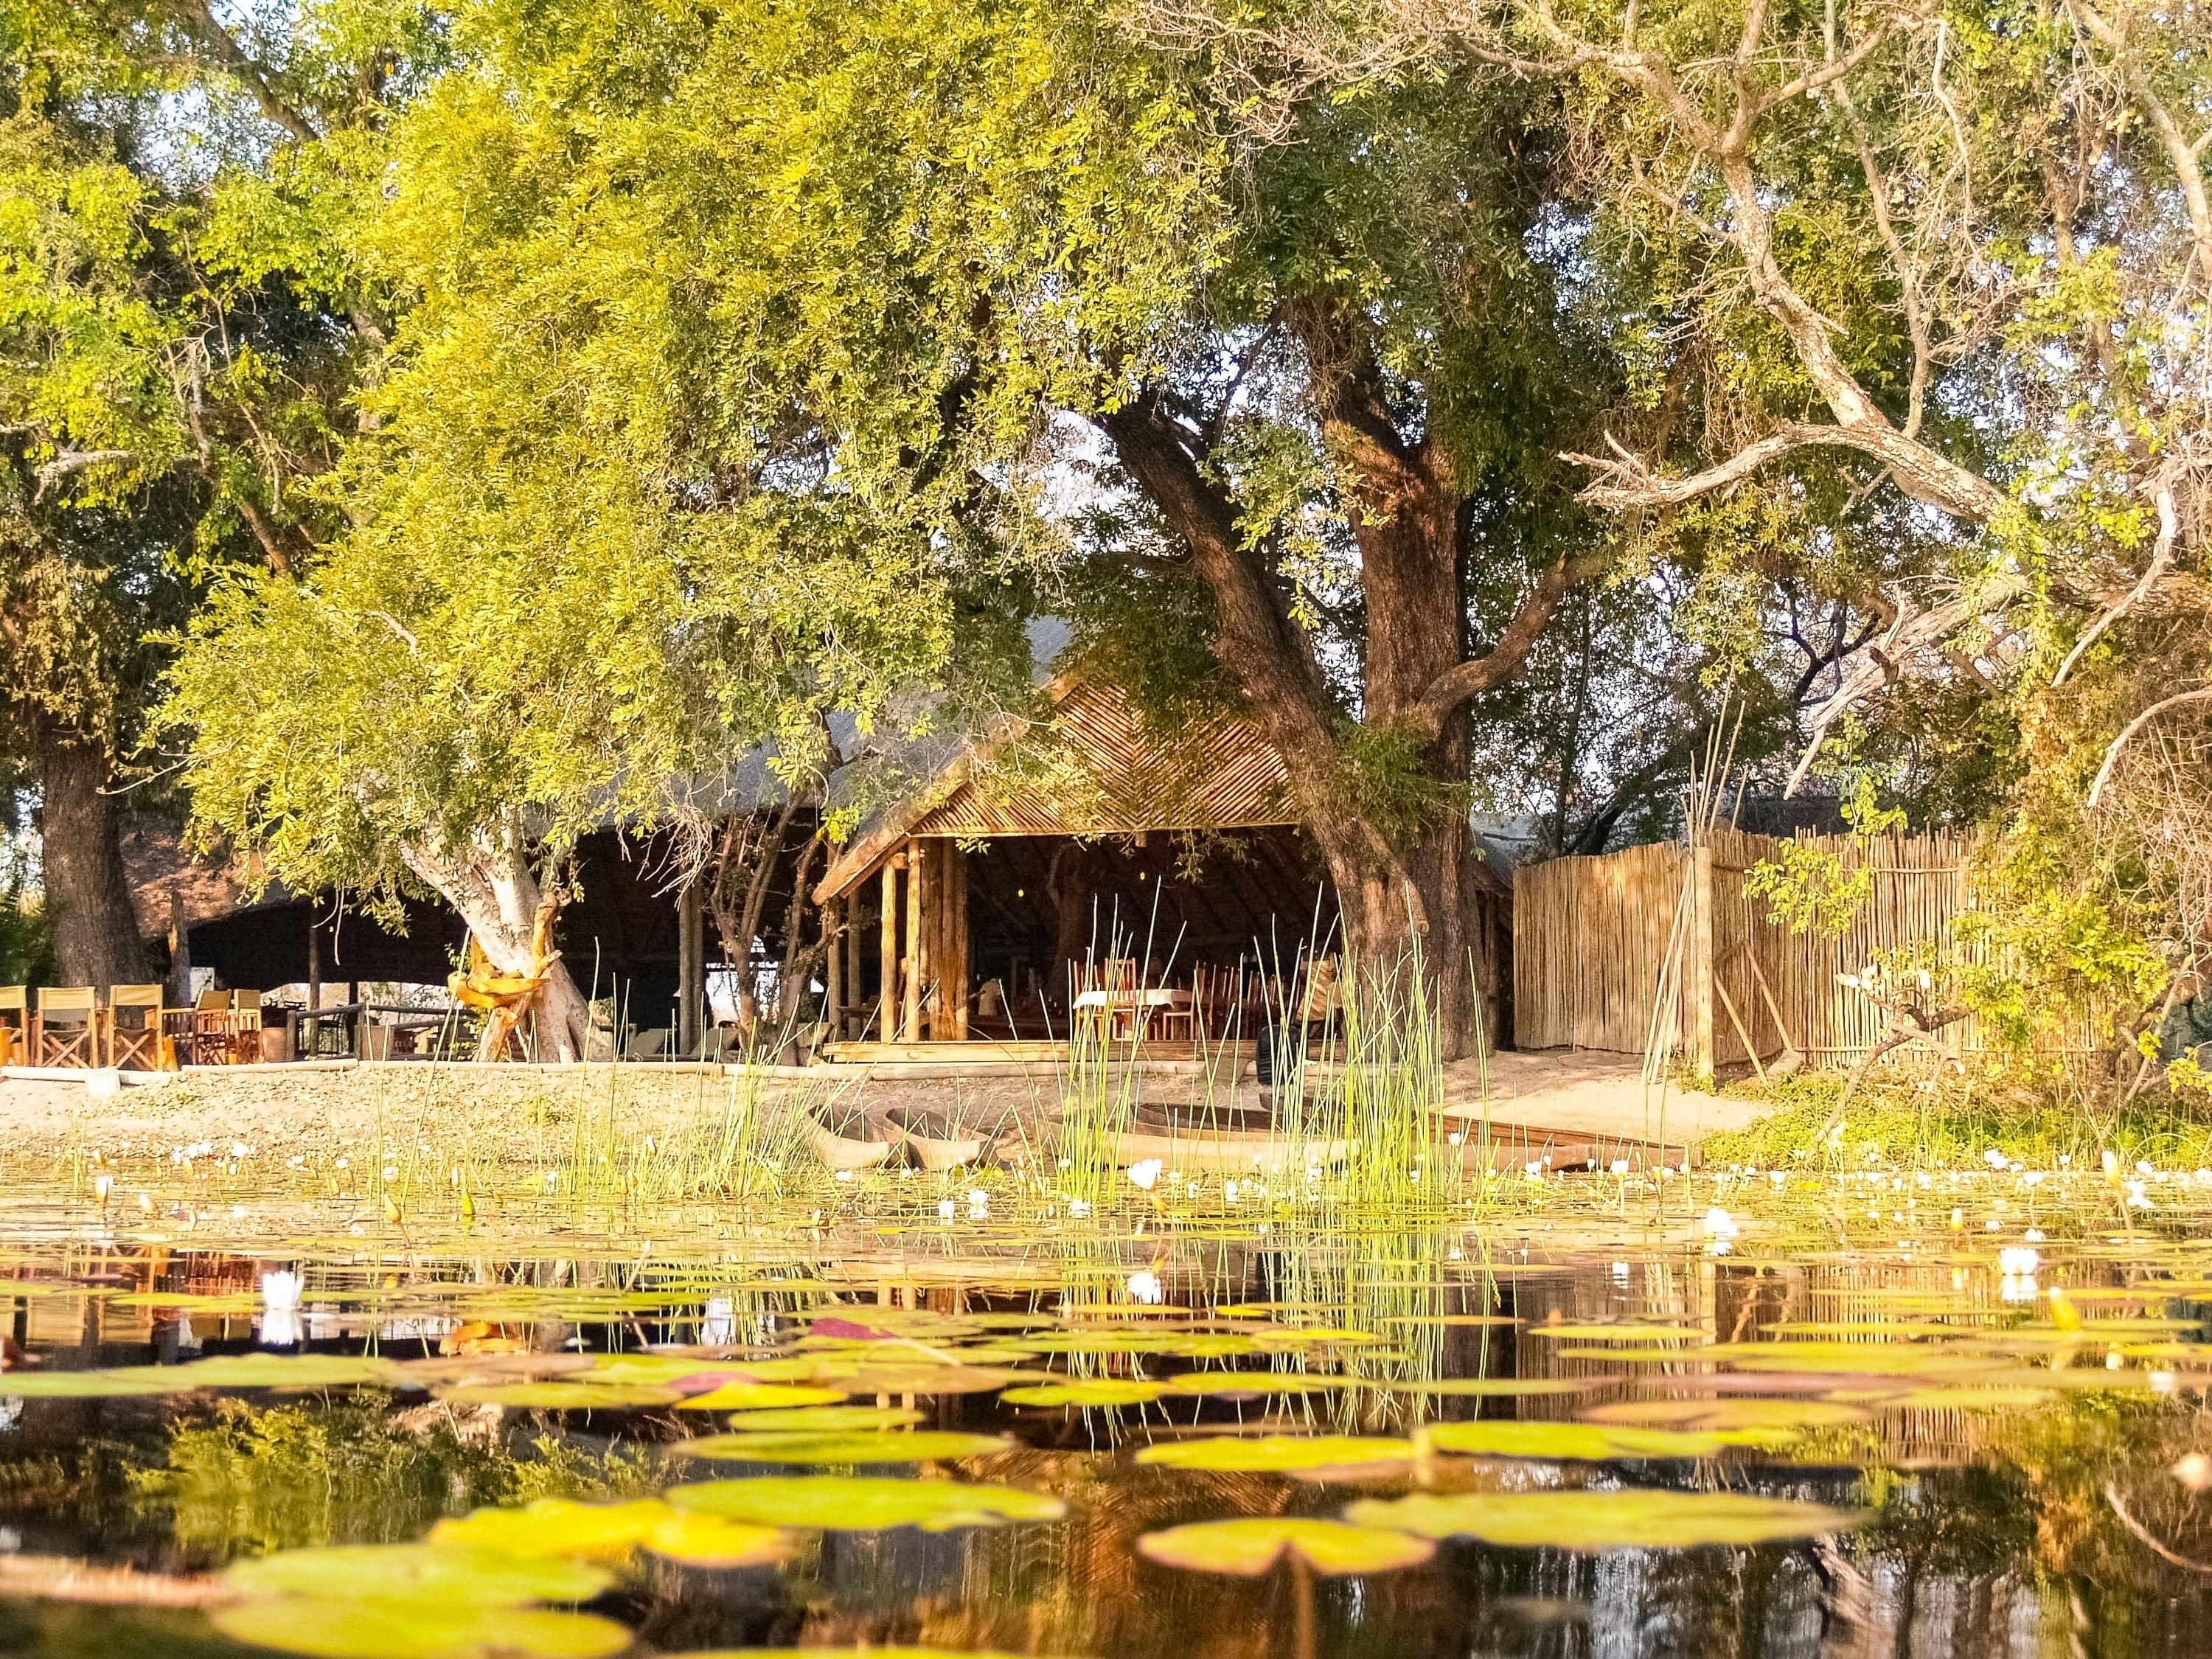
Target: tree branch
[1471, 678]
[2169, 525]
[1627, 480]
[198, 18]
[2202, 694]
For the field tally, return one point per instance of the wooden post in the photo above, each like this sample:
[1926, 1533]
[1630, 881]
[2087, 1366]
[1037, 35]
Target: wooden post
[887, 1001]
[910, 961]
[852, 949]
[921, 896]
[691, 968]
[833, 968]
[1697, 971]
[955, 977]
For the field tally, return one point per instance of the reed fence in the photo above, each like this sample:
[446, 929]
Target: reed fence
[1591, 938]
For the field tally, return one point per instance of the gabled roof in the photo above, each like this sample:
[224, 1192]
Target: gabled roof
[1091, 768]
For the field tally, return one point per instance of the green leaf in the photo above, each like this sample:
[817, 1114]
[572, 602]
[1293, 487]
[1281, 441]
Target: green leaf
[863, 1504]
[454, 1573]
[381, 1630]
[1591, 1520]
[557, 1526]
[1251, 1547]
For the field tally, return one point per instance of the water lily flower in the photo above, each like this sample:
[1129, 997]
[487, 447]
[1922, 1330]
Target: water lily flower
[718, 1328]
[1079, 1208]
[280, 1309]
[944, 1209]
[1145, 1286]
[2017, 1259]
[1145, 1172]
[979, 1204]
[2194, 1471]
[1720, 1223]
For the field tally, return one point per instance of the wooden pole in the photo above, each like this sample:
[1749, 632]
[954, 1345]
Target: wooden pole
[691, 968]
[921, 909]
[956, 978]
[887, 1000]
[832, 968]
[1698, 977]
[852, 949]
[910, 964]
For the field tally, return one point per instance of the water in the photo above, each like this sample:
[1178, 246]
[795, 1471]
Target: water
[2002, 1471]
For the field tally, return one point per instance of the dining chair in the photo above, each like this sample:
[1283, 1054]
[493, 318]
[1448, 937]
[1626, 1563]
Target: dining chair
[65, 1028]
[134, 1027]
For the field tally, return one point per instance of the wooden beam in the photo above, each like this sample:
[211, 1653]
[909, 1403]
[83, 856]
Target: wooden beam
[851, 946]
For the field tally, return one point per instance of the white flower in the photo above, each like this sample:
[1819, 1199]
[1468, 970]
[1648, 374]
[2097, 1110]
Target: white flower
[1145, 1286]
[102, 1185]
[719, 1329]
[240, 1148]
[2017, 1259]
[1619, 1166]
[979, 1204]
[1144, 1171]
[280, 1309]
[844, 1174]
[944, 1209]
[1079, 1208]
[1720, 1223]
[1994, 1158]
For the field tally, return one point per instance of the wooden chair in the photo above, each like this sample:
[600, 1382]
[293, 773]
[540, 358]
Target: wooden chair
[134, 1027]
[242, 1027]
[65, 1029]
[15, 1025]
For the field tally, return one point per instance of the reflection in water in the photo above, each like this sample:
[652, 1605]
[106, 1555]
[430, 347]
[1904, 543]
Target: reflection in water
[2015, 1457]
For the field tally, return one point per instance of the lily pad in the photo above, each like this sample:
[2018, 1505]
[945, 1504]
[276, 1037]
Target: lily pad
[825, 1420]
[409, 1630]
[708, 1541]
[855, 1446]
[1593, 1443]
[864, 1503]
[753, 1396]
[1726, 1416]
[1252, 1547]
[1303, 1455]
[1205, 1382]
[89, 1385]
[1086, 1392]
[1646, 1333]
[557, 1526]
[561, 1396]
[1493, 1388]
[1593, 1520]
[452, 1573]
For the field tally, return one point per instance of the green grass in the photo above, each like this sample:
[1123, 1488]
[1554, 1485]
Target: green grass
[1952, 1128]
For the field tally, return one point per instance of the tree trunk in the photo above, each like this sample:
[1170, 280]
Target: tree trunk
[87, 894]
[491, 885]
[1417, 897]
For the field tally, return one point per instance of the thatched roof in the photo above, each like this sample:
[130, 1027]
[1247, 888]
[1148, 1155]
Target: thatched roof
[1091, 768]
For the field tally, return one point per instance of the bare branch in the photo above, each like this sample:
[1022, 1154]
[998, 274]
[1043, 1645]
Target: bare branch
[198, 17]
[2180, 699]
[2169, 525]
[1627, 480]
[69, 462]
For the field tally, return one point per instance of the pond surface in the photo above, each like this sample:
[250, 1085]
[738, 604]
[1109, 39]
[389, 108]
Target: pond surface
[1876, 1414]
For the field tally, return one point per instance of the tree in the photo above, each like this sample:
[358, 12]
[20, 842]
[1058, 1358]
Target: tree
[570, 593]
[166, 370]
[935, 261]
